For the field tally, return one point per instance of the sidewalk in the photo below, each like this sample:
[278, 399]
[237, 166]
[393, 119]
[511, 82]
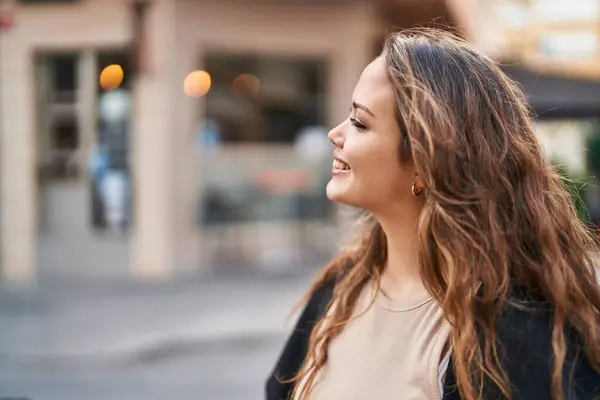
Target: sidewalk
[116, 322]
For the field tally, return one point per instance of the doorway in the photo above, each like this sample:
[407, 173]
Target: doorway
[72, 237]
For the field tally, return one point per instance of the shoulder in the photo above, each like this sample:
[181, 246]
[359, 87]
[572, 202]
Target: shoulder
[318, 301]
[524, 333]
[524, 339]
[296, 347]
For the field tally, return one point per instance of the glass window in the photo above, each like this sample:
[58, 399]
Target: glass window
[513, 14]
[257, 98]
[581, 45]
[560, 10]
[109, 163]
[266, 115]
[56, 98]
[63, 70]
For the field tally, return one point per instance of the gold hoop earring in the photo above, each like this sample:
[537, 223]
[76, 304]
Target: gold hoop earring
[415, 190]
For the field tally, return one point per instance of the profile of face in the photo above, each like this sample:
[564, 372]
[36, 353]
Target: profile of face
[367, 172]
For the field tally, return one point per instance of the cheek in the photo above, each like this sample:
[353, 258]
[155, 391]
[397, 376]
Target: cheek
[375, 160]
[387, 177]
[381, 171]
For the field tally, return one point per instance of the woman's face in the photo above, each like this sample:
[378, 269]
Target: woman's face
[366, 169]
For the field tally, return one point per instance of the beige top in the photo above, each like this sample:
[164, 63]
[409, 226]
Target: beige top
[392, 351]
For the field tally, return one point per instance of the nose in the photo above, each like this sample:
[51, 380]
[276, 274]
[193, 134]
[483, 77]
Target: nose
[336, 136]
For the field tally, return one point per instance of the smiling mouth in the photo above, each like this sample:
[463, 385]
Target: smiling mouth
[339, 165]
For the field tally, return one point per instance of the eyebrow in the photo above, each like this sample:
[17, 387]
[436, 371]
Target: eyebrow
[364, 108]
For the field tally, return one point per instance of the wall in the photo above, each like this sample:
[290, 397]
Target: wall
[344, 35]
[164, 168]
[37, 28]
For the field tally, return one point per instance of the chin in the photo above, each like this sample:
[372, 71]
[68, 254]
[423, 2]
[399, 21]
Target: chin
[335, 197]
[339, 193]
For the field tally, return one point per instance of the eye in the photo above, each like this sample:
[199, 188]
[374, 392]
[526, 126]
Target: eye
[357, 124]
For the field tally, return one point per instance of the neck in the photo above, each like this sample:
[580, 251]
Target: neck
[402, 274]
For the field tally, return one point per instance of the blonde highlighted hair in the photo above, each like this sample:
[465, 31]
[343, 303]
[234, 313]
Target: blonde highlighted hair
[494, 213]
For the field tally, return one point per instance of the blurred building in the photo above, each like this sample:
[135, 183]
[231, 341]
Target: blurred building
[552, 48]
[561, 37]
[206, 151]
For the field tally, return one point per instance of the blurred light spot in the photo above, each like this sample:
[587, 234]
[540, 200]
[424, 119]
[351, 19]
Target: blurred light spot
[197, 84]
[247, 83]
[111, 77]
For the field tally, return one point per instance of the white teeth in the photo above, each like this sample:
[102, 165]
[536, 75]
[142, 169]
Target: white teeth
[337, 164]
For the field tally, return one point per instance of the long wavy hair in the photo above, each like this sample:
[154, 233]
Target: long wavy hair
[494, 214]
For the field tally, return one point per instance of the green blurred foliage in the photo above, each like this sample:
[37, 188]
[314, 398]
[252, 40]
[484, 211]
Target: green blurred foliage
[576, 186]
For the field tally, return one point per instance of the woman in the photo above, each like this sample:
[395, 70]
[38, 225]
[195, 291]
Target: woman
[472, 277]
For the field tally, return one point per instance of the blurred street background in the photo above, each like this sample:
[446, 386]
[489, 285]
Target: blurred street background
[163, 167]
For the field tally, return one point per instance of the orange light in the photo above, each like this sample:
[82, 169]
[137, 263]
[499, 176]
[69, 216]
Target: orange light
[197, 84]
[247, 82]
[111, 77]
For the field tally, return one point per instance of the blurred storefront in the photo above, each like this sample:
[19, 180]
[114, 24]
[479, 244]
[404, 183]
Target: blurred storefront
[552, 48]
[223, 161]
[550, 36]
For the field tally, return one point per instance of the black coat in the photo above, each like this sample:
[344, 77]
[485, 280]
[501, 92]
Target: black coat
[525, 339]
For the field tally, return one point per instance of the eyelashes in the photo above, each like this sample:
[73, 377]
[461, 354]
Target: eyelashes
[357, 124]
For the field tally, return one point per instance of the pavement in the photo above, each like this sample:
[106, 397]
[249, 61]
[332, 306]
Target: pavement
[201, 338]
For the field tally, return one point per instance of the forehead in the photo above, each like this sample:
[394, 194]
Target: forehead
[374, 89]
